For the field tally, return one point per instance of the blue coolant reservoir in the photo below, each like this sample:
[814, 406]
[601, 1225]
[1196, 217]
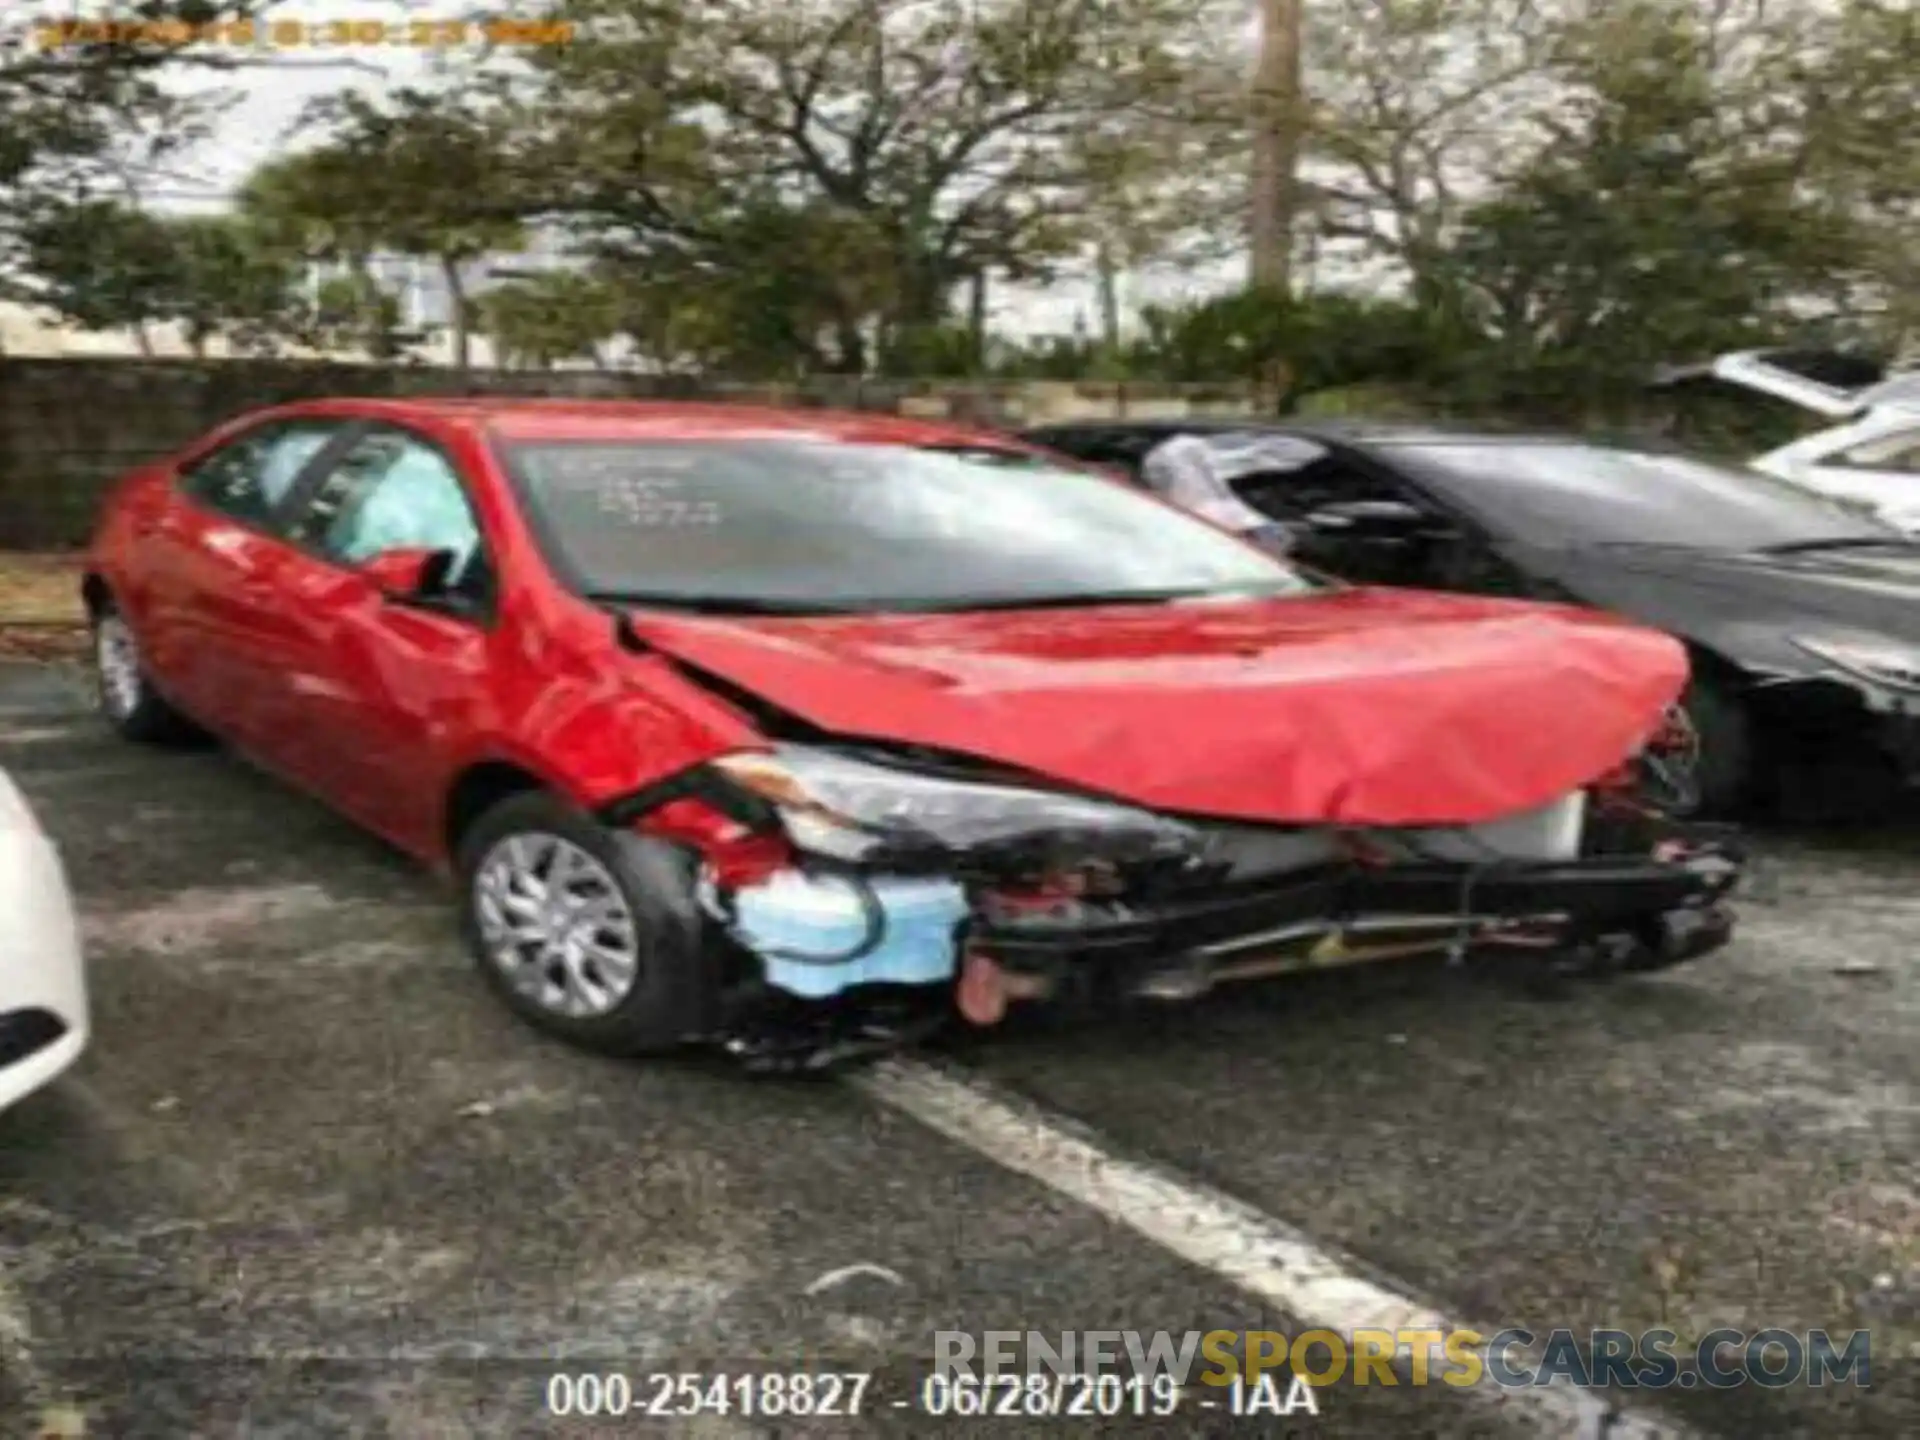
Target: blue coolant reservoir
[821, 934]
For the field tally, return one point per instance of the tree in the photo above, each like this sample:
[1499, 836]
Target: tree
[1855, 89]
[539, 320]
[1151, 184]
[434, 180]
[106, 265]
[223, 282]
[310, 206]
[352, 310]
[101, 265]
[1417, 109]
[1291, 346]
[773, 291]
[83, 110]
[1664, 223]
[942, 134]
[1277, 121]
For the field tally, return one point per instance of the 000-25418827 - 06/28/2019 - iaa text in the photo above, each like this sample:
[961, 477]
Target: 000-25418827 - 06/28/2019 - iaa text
[806, 1395]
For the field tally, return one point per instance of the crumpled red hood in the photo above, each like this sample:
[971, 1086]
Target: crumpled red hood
[1361, 707]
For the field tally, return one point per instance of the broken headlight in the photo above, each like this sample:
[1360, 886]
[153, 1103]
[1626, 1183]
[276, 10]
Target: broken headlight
[1884, 662]
[836, 805]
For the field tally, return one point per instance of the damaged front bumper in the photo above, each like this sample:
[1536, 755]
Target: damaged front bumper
[1612, 912]
[851, 962]
[852, 905]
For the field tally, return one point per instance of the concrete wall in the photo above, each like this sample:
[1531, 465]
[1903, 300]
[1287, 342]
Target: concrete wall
[69, 426]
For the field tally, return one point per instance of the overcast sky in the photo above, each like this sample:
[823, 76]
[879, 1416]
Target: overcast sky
[270, 95]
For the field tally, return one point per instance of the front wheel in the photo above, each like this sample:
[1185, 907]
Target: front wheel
[1723, 768]
[127, 698]
[589, 933]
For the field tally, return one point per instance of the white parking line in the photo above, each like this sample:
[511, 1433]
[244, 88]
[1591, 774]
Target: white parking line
[43, 734]
[1251, 1250]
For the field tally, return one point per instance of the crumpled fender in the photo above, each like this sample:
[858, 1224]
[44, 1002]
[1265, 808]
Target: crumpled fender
[1359, 707]
[596, 737]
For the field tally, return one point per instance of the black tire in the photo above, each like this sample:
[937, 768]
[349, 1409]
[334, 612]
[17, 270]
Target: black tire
[131, 705]
[1724, 770]
[672, 999]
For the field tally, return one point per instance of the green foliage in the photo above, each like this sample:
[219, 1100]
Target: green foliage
[543, 319]
[1649, 233]
[1296, 345]
[77, 118]
[100, 264]
[313, 205]
[882, 153]
[414, 174]
[943, 350]
[351, 311]
[104, 265]
[225, 283]
[1559, 194]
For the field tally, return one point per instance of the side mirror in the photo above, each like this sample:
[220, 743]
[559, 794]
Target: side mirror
[409, 573]
[1375, 520]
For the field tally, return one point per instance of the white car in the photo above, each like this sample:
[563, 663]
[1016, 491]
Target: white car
[43, 992]
[1870, 458]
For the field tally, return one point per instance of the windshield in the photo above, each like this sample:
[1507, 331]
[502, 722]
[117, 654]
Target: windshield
[821, 526]
[1573, 493]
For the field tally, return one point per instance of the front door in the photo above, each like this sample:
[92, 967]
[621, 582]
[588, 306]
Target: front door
[375, 683]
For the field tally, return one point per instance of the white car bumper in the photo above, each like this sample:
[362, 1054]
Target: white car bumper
[43, 994]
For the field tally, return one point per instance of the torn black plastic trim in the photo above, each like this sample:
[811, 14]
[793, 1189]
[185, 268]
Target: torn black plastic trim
[628, 638]
[698, 782]
[1593, 895]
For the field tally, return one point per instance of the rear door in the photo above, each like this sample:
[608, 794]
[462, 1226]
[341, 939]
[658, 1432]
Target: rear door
[209, 566]
[373, 685]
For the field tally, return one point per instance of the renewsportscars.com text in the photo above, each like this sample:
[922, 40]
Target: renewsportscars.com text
[1511, 1358]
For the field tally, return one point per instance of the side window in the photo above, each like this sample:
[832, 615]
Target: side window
[390, 491]
[249, 476]
[1293, 494]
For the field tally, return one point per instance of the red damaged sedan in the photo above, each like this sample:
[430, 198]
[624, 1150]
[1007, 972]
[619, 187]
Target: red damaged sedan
[800, 732]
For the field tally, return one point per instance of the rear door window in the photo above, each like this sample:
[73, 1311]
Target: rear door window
[250, 477]
[1293, 494]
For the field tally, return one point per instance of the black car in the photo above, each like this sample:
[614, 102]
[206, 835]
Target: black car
[1802, 615]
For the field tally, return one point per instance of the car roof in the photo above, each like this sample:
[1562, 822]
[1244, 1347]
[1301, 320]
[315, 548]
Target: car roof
[1356, 431]
[530, 418]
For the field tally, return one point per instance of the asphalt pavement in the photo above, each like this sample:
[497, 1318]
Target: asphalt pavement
[311, 1179]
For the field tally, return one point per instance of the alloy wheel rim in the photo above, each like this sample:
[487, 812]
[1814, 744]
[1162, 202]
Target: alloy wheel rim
[555, 924]
[117, 654]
